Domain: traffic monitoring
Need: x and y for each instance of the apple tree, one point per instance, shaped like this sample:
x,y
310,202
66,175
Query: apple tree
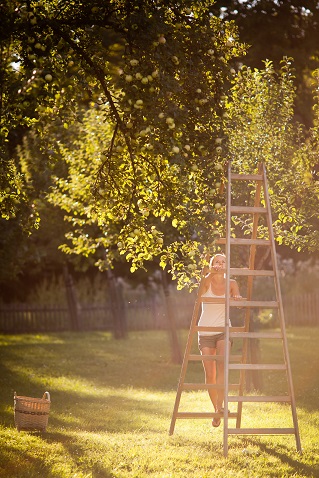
x,y
160,73
260,127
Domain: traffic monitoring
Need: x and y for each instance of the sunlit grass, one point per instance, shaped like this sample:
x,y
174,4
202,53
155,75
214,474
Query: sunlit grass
x,y
112,403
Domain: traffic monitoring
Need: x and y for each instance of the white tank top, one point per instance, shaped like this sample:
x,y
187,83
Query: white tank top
x,y
213,315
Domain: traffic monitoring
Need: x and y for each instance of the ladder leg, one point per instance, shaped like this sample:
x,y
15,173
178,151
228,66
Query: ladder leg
x,y
187,352
181,380
185,361
227,311
226,391
281,317
175,410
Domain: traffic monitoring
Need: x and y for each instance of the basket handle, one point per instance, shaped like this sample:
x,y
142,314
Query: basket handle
x,y
46,395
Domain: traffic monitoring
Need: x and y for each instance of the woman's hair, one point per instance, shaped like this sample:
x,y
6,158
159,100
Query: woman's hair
x,y
216,255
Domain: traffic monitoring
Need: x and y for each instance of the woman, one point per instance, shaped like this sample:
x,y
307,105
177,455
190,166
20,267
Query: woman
x,y
213,315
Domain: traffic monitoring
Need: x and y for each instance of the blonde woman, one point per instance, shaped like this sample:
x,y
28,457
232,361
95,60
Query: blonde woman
x,y
213,315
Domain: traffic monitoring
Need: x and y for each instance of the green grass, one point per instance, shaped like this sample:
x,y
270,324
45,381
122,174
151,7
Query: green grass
x,y
112,403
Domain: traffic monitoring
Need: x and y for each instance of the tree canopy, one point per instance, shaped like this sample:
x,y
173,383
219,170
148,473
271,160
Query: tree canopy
x,y
160,73
144,102
261,128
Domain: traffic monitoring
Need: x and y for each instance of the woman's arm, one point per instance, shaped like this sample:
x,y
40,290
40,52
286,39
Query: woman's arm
x,y
206,280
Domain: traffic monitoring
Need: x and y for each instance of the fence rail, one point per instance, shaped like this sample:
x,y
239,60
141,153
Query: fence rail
x,y
140,315
302,309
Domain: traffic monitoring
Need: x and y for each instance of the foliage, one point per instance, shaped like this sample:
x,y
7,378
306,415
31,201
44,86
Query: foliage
x,y
161,71
19,217
300,278
22,251
260,128
109,419
275,29
166,121
95,229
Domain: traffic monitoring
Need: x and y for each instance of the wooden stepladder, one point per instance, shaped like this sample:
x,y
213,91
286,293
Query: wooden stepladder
x,y
260,238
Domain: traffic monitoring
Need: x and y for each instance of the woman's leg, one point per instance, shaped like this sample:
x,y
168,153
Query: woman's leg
x,y
210,373
220,373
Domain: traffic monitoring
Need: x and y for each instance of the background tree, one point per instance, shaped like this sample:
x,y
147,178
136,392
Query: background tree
x,y
164,103
275,29
260,127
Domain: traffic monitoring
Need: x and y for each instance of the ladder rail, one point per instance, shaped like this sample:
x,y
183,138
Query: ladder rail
x,y
227,311
281,313
185,359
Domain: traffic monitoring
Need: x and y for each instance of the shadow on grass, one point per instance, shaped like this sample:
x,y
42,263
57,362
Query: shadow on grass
x,y
117,387
282,453
142,360
97,365
113,414
32,364
21,463
12,463
76,450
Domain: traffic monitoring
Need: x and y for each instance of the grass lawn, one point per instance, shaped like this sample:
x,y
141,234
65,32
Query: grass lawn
x,y
112,403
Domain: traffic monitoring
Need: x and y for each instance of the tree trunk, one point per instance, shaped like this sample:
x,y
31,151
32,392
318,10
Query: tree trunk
x,y
73,304
117,307
175,347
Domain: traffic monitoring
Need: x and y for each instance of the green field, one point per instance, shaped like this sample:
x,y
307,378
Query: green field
x,y
112,403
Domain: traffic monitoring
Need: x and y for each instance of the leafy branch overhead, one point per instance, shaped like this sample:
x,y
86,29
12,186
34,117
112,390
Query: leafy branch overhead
x,y
160,73
259,128
143,102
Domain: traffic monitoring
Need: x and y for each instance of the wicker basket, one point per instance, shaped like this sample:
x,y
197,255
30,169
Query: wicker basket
x,y
31,413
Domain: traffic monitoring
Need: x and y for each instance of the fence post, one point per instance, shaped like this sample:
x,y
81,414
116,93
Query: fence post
x,y
74,307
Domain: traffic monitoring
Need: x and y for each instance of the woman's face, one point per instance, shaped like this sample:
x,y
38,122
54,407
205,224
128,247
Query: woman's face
x,y
219,262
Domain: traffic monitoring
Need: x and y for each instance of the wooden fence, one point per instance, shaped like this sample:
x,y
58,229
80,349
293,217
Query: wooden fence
x,y
302,309
140,315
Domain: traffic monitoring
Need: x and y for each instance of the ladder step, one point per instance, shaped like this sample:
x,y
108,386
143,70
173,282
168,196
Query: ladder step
x,y
282,398
249,272
261,431
246,177
208,386
204,415
265,304
244,242
247,242
217,358
203,328
256,366
248,210
240,332
255,335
